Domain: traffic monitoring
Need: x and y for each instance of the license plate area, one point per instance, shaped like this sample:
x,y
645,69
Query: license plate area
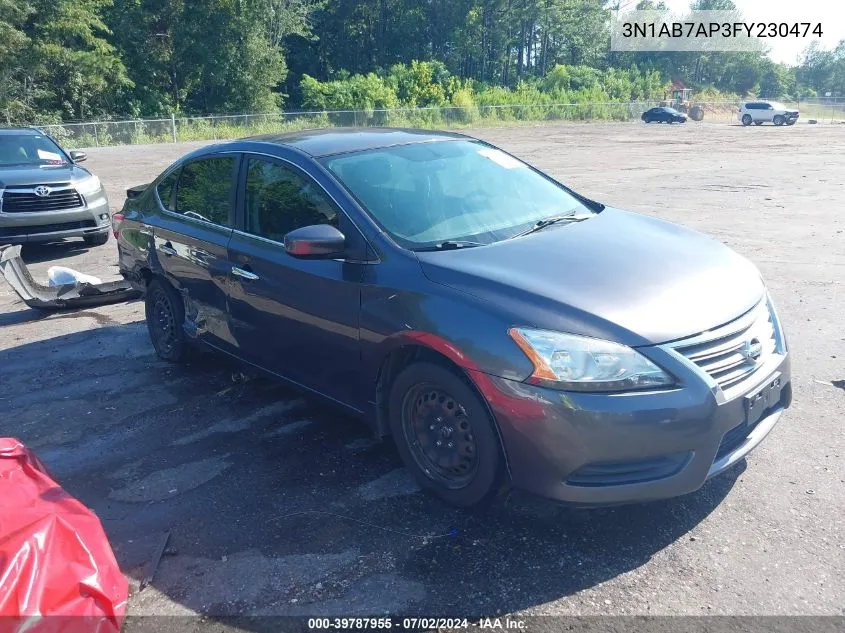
x,y
761,399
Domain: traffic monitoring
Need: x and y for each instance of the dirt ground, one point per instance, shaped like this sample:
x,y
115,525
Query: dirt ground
x,y
275,504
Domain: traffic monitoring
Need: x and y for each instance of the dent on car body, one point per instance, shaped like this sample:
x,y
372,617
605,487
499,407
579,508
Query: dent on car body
x,y
62,297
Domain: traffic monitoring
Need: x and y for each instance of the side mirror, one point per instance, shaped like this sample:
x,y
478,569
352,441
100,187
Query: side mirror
x,y
319,241
77,157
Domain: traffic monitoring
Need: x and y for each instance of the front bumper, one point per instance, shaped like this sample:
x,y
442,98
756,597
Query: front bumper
x,y
607,449
93,218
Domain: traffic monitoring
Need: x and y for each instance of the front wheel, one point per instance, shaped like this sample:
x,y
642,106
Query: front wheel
x,y
746,120
778,120
445,435
165,313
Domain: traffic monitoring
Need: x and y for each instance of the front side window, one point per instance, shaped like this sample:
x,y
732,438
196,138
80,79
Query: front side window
x,y
280,199
424,194
30,149
206,190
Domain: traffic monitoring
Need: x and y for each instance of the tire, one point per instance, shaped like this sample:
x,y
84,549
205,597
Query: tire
x,y
746,120
429,404
96,240
758,123
778,120
792,122
165,313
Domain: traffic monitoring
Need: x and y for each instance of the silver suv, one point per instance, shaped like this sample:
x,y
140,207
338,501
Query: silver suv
x,y
45,195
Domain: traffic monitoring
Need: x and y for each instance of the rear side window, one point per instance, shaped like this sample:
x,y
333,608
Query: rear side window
x,y
279,199
166,188
206,190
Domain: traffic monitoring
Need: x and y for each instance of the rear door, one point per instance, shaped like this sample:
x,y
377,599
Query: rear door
x,y
295,317
191,242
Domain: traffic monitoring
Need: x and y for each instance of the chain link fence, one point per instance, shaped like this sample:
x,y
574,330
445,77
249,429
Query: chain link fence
x,y
178,129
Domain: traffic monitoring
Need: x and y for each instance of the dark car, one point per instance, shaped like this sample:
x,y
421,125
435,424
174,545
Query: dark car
x,y
498,325
664,115
45,195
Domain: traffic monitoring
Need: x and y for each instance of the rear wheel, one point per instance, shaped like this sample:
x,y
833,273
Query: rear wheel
x,y
445,436
778,120
792,122
165,314
746,119
96,240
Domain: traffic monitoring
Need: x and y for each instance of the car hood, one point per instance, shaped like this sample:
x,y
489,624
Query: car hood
x,y
45,175
618,275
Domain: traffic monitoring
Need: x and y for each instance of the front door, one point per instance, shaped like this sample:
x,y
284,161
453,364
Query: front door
x,y
192,238
295,317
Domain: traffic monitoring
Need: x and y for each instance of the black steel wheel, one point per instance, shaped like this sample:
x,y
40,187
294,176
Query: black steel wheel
x,y
445,435
438,432
165,314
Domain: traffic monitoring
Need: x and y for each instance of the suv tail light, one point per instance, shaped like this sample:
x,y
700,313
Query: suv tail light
x,y
116,221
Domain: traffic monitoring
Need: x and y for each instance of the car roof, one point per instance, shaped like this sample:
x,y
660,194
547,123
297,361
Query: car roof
x,y
319,143
8,131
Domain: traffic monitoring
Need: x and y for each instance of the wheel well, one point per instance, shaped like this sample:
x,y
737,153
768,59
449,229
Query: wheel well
x,y
392,366
399,359
147,275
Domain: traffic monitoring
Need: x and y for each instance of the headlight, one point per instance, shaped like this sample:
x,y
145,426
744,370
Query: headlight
x,y
579,363
88,186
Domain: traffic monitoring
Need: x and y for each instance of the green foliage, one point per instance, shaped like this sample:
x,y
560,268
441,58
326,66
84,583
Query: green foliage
x,y
94,59
358,92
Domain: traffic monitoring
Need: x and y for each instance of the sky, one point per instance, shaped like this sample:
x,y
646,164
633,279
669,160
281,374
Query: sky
x,y
830,13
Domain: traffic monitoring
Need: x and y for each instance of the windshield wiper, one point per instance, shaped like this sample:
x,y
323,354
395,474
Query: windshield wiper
x,y
541,224
451,245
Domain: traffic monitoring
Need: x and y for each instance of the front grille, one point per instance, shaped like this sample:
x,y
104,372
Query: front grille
x,y
28,202
16,231
723,353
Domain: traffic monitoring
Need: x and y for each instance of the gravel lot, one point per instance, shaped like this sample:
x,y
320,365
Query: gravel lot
x,y
278,505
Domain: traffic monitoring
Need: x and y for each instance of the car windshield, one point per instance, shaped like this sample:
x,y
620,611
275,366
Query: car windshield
x,y
29,149
425,194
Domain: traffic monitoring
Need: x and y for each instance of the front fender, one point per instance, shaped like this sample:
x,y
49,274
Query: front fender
x,y
468,331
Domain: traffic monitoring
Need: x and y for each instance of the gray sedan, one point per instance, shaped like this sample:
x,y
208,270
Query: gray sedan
x,y
500,326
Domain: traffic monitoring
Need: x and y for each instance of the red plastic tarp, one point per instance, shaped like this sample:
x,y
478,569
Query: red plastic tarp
x,y
57,569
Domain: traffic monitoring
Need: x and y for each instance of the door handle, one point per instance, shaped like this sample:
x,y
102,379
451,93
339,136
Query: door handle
x,y
167,249
245,274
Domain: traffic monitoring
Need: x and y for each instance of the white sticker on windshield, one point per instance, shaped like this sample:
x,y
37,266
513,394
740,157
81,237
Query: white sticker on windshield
x,y
500,158
48,155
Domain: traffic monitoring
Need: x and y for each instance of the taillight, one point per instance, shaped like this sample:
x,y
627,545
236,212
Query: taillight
x,y
116,221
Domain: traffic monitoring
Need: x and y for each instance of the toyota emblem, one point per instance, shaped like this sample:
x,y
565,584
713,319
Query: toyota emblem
x,y
41,191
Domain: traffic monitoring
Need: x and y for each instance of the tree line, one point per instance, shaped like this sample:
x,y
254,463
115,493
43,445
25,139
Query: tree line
x,y
83,59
